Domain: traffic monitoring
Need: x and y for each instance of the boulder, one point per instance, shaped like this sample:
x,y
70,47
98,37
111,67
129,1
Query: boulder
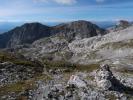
x,y
77,81
103,77
107,81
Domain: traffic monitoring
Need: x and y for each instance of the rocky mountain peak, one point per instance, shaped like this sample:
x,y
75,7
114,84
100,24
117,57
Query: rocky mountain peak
x,y
78,30
26,34
123,23
80,22
34,25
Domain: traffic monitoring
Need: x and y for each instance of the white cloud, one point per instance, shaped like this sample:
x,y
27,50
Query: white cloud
x,y
41,1
66,2
100,1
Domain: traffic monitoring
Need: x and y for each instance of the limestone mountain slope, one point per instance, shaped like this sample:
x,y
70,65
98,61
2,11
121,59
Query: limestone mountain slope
x,y
115,45
112,46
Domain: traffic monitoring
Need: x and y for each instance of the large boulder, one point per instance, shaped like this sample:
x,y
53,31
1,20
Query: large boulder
x,y
107,81
104,77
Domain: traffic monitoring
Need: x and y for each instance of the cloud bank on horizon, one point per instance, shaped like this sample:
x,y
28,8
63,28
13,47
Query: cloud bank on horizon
x,y
65,10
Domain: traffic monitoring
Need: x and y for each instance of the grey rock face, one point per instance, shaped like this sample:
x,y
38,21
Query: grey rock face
x,y
113,46
78,30
27,34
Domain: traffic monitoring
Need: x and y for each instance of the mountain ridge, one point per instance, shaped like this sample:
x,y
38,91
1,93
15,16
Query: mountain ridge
x,y
29,32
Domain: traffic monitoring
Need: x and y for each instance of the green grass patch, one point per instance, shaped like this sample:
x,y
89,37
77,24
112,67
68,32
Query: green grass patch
x,y
88,68
4,56
17,87
58,64
111,97
25,63
70,66
18,59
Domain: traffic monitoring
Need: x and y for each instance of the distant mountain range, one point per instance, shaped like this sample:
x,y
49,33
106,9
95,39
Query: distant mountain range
x,y
6,26
29,32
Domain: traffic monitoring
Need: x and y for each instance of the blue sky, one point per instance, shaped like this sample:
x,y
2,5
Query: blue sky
x,y
65,10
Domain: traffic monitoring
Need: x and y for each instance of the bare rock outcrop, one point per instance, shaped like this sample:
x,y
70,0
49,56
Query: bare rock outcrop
x,y
107,81
103,77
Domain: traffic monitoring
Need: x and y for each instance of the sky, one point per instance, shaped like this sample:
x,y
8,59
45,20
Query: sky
x,y
65,10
